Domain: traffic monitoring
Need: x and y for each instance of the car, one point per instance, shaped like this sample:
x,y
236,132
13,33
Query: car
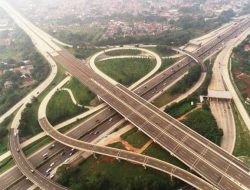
x,y
48,170
97,132
51,176
45,155
71,153
32,171
52,164
110,119
18,150
63,153
52,146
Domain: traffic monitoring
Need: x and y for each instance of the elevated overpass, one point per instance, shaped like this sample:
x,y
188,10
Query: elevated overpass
x,y
196,58
104,93
128,156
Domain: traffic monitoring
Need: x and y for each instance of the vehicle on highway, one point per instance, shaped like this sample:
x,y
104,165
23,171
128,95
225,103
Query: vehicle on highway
x,y
48,170
52,146
51,176
63,153
52,164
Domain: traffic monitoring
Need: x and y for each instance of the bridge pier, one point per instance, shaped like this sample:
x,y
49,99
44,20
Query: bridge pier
x,y
94,155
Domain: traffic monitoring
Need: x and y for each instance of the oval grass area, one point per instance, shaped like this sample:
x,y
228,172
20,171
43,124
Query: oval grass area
x,y
128,70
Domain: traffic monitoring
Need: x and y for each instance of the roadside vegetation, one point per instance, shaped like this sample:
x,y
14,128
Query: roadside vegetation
x,y
176,110
57,110
162,50
135,137
242,145
241,71
203,122
109,173
4,134
6,164
167,63
12,57
29,125
126,71
81,93
182,86
187,81
85,51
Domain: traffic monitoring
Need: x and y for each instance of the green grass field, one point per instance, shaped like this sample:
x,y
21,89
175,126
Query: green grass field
x,y
161,51
164,99
61,108
81,93
123,52
242,145
167,63
135,138
179,109
126,71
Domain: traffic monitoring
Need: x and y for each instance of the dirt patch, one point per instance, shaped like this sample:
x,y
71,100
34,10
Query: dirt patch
x,y
107,159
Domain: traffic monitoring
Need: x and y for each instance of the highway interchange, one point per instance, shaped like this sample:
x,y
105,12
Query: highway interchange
x,y
157,126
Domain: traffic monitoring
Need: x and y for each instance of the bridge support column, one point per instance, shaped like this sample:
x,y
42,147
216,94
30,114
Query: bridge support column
x,y
99,98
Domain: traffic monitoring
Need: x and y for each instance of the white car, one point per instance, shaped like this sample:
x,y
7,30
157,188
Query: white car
x,y
51,176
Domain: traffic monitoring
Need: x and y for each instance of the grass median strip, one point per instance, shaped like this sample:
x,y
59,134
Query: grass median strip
x,y
126,71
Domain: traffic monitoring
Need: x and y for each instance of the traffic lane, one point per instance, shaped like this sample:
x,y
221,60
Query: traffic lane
x,y
189,142
9,177
25,166
180,152
22,185
110,151
179,135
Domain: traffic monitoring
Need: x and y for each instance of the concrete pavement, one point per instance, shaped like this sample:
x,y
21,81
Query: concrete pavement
x,y
226,76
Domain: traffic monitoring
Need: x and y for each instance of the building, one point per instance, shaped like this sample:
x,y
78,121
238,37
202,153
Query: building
x,y
24,70
8,84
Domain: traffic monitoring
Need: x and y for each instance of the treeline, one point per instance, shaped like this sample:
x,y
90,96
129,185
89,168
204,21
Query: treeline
x,y
23,46
203,122
175,38
187,81
75,180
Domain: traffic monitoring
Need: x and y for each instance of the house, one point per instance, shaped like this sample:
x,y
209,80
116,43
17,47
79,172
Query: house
x,y
247,47
24,70
8,84
27,81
